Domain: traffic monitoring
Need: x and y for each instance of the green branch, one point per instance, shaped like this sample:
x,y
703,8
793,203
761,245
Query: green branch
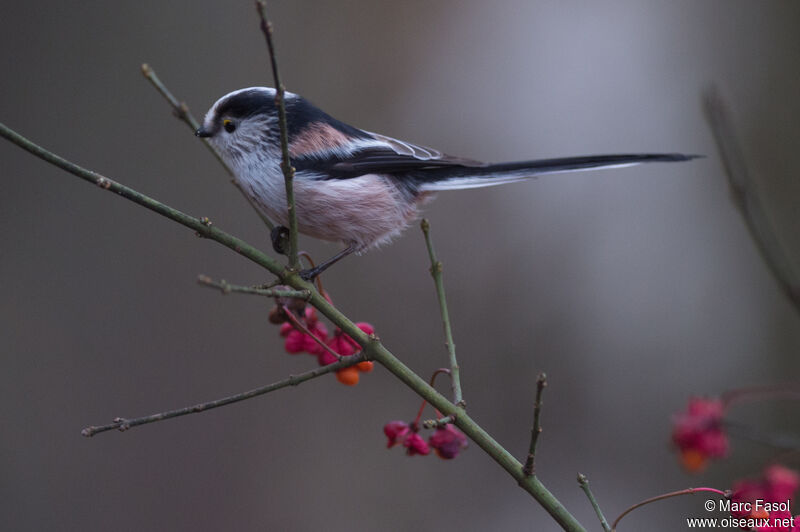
x,y
747,199
475,432
286,163
436,272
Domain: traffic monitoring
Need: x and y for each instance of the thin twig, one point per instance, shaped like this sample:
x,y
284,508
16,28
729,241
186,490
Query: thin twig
x,y
687,491
436,423
781,391
372,347
782,442
286,163
182,112
745,195
432,381
306,255
179,109
583,482
536,428
436,272
440,420
123,424
227,288
268,285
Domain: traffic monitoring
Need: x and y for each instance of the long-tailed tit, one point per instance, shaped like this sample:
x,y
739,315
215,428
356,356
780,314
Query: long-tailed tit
x,y
351,185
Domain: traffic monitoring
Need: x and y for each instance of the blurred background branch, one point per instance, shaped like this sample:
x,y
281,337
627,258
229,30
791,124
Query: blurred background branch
x,y
746,197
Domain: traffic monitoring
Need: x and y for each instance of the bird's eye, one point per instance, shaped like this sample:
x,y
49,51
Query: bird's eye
x,y
229,125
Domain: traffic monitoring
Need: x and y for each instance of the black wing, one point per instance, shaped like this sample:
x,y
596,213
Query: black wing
x,y
378,154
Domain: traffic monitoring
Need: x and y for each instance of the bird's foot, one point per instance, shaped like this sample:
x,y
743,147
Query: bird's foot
x,y
280,239
309,274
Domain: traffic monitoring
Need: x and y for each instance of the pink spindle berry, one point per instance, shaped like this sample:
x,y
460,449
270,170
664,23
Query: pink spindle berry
x,y
698,433
399,432
342,344
447,441
776,486
345,346
295,342
396,432
780,482
310,314
414,444
319,330
325,357
298,341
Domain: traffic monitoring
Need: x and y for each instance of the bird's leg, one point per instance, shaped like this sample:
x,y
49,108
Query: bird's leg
x,y
312,273
280,240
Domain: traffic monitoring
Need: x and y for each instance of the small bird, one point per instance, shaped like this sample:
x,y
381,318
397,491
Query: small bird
x,y
353,186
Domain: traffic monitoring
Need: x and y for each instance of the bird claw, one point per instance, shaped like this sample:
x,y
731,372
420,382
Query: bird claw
x,y
280,239
309,274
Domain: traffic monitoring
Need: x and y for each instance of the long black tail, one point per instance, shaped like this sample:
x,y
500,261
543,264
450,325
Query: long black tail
x,y
500,173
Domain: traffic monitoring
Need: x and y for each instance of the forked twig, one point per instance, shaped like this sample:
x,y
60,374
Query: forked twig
x,y
436,273
182,112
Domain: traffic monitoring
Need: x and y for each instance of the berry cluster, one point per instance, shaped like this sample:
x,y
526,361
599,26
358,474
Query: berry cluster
x,y
698,433
305,333
446,441
766,501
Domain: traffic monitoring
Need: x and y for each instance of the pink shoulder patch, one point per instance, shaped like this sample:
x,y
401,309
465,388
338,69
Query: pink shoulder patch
x,y
317,137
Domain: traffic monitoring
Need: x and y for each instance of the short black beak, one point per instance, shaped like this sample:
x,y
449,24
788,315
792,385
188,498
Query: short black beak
x,y
202,132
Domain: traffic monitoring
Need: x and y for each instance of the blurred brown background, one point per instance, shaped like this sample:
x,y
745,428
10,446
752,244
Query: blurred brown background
x,y
633,289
